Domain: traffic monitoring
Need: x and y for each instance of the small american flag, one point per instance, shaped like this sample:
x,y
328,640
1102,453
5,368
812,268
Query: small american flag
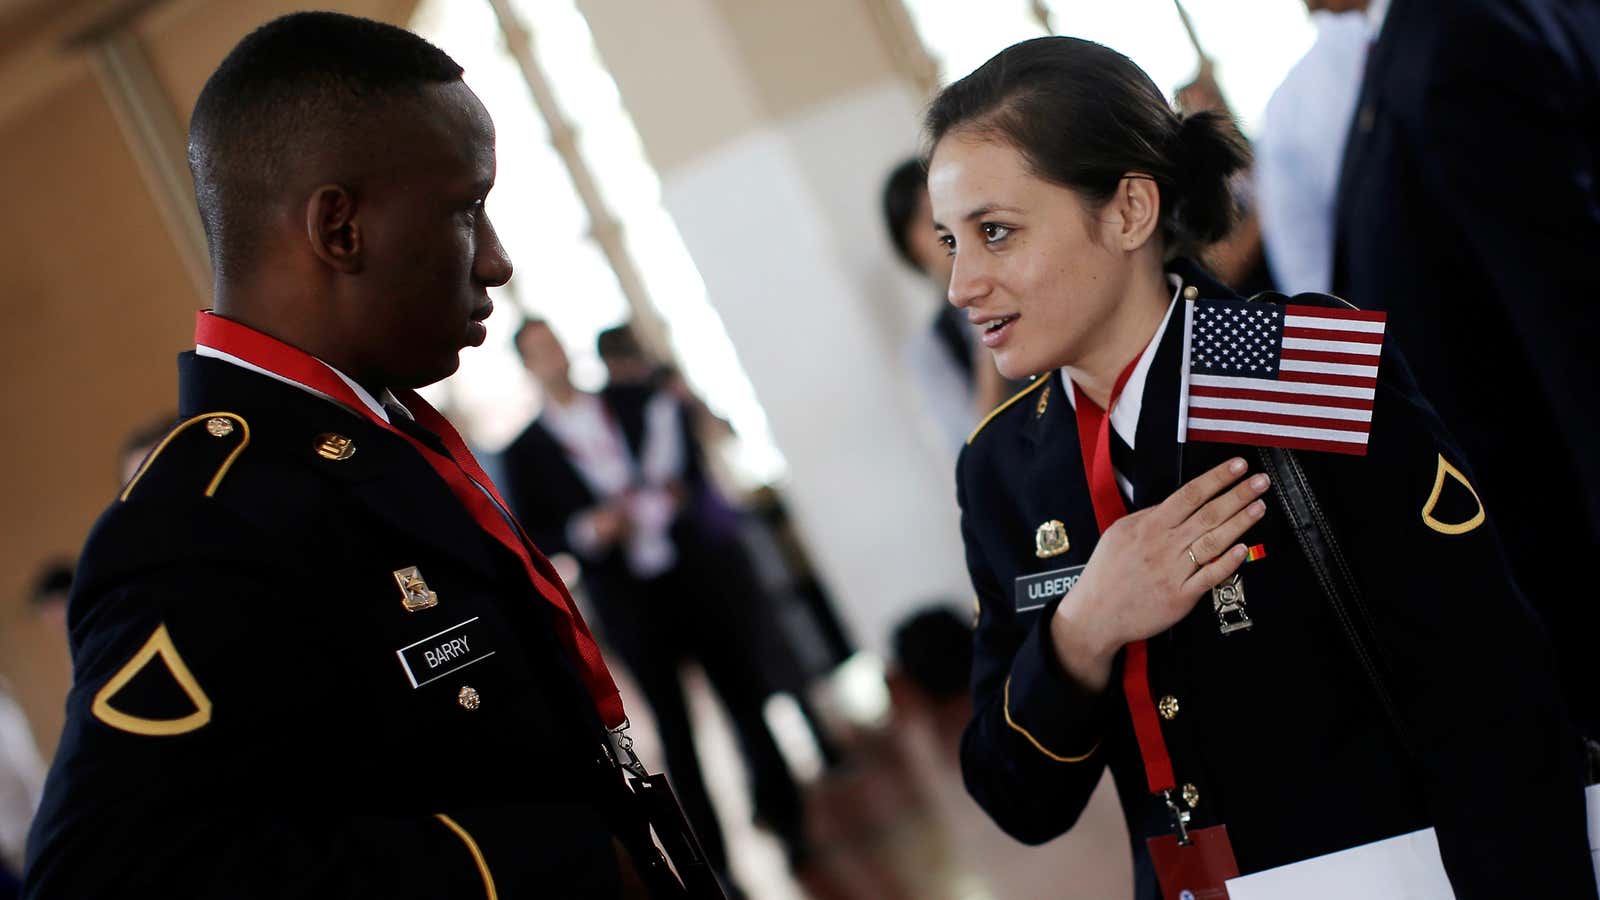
x,y
1280,376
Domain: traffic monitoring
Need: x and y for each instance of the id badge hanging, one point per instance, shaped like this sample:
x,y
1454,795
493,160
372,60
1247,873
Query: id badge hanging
x,y
1190,864
682,872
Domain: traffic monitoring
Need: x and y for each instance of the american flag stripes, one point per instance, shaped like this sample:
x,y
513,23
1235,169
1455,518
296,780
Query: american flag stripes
x,y
1267,375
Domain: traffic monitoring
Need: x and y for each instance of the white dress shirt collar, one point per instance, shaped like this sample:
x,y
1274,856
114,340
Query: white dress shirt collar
x,y
375,404
1125,413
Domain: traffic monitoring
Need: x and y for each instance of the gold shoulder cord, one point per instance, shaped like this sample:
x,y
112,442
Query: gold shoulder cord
x,y
477,855
1042,380
219,425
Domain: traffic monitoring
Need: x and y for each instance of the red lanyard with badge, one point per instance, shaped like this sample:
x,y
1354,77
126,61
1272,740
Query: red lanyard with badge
x,y
1190,864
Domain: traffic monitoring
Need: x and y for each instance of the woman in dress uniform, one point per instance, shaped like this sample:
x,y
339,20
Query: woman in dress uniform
x,y
1248,719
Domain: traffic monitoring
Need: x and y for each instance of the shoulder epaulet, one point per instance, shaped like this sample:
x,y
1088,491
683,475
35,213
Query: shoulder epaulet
x,y
206,448
1041,380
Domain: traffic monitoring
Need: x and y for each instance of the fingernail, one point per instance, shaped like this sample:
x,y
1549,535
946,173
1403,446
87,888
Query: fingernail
x,y
1257,509
1260,482
1236,466
1237,552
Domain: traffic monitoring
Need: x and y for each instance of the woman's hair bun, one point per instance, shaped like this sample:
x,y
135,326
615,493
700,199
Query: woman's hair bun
x,y
1207,151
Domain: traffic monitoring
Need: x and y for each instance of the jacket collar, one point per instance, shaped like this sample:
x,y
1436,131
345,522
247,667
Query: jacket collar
x,y
1157,455
384,473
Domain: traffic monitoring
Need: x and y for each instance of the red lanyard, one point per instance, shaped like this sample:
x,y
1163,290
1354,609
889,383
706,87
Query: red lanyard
x,y
1094,430
459,470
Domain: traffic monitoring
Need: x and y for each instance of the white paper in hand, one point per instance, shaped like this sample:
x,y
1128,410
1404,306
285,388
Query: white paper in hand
x,y
1407,867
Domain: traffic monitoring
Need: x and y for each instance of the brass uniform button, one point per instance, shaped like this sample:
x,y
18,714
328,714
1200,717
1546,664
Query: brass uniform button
x,y
469,699
335,446
1191,293
1191,796
217,426
1168,707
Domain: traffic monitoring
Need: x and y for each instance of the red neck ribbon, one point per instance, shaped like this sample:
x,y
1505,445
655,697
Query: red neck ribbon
x,y
1094,440
466,479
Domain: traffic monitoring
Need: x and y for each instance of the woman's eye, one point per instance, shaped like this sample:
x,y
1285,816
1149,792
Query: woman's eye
x,y
994,234
949,243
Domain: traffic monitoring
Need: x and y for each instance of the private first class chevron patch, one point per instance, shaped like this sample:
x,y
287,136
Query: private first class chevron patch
x,y
155,689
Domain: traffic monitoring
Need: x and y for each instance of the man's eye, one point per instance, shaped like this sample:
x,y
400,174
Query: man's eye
x,y
993,233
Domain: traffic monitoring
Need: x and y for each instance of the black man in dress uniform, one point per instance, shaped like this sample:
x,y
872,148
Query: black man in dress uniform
x,y
313,655
1275,731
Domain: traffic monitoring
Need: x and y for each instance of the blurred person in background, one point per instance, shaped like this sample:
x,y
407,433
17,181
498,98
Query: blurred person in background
x,y
1301,145
21,769
1237,258
617,479
138,444
1069,192
957,383
1469,208
51,587
629,364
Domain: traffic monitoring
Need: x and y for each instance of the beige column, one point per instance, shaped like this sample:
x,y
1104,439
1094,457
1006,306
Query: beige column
x,y
772,125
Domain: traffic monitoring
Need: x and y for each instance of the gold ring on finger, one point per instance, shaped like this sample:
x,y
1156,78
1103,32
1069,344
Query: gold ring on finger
x,y
1197,566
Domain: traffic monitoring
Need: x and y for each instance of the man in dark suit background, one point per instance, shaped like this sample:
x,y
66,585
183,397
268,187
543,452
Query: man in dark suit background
x,y
1469,209
617,479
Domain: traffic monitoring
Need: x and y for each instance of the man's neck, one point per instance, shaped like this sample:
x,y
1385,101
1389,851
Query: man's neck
x,y
560,392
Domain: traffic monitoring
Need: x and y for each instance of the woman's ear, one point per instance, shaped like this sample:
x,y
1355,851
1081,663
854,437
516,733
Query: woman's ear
x,y
1136,210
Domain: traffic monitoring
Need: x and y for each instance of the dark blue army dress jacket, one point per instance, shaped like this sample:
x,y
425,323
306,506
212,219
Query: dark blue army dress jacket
x,y
1276,731
301,669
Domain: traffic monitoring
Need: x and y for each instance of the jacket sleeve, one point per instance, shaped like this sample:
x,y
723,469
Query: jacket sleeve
x,y
186,770
1030,755
1511,160
533,497
1470,668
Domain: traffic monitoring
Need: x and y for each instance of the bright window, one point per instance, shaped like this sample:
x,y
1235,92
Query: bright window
x,y
562,274
1252,42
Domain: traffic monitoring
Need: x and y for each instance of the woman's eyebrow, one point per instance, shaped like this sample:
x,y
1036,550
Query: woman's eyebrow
x,y
980,212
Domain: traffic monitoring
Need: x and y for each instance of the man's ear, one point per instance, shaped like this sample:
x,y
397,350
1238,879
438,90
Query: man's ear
x,y
333,228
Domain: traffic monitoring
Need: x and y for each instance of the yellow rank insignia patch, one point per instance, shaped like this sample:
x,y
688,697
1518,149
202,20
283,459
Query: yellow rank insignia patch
x,y
159,645
1051,540
1457,507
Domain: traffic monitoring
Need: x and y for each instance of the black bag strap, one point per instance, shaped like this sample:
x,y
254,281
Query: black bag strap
x,y
1333,574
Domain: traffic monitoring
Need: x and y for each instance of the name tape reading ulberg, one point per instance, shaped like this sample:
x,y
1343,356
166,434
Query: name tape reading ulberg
x,y
1036,591
450,650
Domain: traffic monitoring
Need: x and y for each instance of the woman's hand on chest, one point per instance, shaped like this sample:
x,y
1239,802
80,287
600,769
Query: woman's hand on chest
x,y
1151,566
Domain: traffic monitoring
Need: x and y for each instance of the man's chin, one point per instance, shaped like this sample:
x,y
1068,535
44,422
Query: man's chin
x,y
422,378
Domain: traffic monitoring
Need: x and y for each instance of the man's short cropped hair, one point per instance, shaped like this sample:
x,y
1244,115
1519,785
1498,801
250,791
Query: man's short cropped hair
x,y
307,82
618,341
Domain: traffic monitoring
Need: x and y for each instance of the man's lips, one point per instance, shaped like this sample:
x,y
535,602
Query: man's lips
x,y
477,332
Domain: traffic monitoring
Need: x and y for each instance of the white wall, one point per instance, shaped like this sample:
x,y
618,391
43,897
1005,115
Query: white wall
x,y
777,199
800,292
